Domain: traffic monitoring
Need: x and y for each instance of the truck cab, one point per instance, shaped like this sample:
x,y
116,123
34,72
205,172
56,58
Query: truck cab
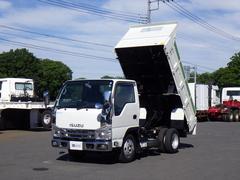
x,y
19,107
229,109
16,89
99,110
152,108
230,93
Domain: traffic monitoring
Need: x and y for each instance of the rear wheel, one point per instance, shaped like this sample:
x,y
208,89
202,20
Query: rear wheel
x,y
161,138
236,115
231,116
225,117
172,141
128,150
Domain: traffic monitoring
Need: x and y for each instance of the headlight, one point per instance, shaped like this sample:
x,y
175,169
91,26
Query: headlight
x,y
104,133
55,131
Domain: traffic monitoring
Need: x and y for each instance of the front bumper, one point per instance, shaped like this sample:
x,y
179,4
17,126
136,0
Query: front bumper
x,y
86,145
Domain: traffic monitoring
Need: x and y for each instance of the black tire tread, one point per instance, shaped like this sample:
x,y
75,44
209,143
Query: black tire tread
x,y
160,137
168,141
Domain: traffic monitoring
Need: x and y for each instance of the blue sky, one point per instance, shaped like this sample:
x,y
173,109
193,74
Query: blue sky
x,y
196,44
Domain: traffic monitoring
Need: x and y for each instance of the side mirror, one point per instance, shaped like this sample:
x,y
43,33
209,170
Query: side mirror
x,y
106,106
46,98
105,114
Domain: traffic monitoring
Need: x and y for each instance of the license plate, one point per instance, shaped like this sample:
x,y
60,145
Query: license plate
x,y
76,145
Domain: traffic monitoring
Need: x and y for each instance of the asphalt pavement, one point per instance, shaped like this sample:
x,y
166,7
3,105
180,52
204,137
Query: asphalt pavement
x,y
214,154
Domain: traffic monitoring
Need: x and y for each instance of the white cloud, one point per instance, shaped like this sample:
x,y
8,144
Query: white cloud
x,y
199,45
73,25
232,5
196,44
133,6
5,5
39,17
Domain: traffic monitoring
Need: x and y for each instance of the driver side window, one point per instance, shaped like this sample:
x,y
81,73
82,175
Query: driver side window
x,y
124,94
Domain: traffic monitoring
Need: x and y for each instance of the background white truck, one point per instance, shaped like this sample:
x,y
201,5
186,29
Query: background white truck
x,y
204,96
19,108
150,111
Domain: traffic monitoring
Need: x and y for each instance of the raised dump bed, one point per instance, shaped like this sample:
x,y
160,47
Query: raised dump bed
x,y
149,55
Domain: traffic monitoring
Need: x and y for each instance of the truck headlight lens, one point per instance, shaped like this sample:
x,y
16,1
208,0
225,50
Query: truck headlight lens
x,y
104,133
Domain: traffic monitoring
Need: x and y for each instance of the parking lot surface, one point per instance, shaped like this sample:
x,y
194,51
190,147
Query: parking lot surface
x,y
214,153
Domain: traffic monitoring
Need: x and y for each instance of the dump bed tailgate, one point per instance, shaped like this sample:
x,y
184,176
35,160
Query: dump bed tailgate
x,y
148,54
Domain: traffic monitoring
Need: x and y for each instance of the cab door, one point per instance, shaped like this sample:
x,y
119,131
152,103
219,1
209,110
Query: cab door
x,y
125,110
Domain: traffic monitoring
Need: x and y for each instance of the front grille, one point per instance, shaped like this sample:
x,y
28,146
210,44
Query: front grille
x,y
78,134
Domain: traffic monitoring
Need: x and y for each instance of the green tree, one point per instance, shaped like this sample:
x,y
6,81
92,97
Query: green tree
x,y
230,75
235,61
205,78
18,63
52,75
224,77
47,74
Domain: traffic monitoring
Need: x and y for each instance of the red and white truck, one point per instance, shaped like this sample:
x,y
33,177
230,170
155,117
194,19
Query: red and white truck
x,y
229,108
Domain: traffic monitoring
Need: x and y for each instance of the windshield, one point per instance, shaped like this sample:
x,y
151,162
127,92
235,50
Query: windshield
x,y
84,94
233,93
23,86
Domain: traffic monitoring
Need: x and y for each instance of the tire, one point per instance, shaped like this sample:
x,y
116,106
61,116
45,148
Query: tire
x,y
225,117
236,115
231,116
161,138
172,141
2,123
128,149
46,119
74,154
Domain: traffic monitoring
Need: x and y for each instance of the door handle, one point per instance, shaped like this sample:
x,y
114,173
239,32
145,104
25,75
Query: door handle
x,y
134,116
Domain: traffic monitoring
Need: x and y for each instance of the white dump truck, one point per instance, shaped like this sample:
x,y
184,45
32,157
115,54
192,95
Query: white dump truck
x,y
151,110
19,108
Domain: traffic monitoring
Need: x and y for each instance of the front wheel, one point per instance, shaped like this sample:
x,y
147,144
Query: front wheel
x,y
128,149
2,123
47,119
172,141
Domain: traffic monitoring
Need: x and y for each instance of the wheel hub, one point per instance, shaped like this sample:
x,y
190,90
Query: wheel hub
x,y
128,148
47,119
